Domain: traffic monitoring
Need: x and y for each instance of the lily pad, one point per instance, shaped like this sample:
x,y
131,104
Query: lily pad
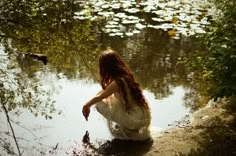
x,y
116,6
140,26
105,6
120,15
129,21
172,32
129,33
132,10
158,19
136,31
106,14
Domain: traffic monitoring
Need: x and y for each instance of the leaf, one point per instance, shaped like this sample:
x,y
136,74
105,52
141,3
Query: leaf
x,y
172,32
174,20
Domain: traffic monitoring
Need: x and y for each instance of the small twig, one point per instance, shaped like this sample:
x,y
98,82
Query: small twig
x,y
37,142
25,129
7,148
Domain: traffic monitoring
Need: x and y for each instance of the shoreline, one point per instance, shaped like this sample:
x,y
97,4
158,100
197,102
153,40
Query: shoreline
x,y
211,131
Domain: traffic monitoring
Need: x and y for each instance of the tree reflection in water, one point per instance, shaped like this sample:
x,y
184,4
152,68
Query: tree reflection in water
x,y
31,27
156,61
48,27
73,45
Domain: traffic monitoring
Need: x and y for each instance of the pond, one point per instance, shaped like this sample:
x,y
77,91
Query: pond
x,y
44,99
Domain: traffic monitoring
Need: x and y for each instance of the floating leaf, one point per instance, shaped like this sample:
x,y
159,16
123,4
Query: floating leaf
x,y
172,32
158,19
129,34
110,26
129,21
105,6
136,31
174,20
120,15
116,6
132,10
139,26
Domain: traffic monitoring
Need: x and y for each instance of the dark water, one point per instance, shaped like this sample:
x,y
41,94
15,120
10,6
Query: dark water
x,y
44,102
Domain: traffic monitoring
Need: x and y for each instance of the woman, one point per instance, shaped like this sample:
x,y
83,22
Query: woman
x,y
121,100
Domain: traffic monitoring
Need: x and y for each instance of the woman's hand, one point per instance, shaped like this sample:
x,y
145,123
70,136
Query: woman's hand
x,y
111,88
86,111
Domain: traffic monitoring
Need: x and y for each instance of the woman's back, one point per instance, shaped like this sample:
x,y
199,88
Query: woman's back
x,y
129,124
121,100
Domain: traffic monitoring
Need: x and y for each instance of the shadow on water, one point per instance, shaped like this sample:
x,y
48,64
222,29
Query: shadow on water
x,y
124,147
114,147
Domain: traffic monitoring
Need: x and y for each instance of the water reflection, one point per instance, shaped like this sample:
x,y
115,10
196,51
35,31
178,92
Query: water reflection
x,y
18,91
67,129
157,54
17,94
78,43
49,28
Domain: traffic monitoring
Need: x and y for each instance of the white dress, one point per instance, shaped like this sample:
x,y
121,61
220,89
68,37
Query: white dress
x,y
131,125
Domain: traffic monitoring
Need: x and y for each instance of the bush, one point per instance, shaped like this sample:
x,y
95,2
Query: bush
x,y
217,63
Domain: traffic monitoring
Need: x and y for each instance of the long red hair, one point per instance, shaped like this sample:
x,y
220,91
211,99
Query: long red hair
x,y
112,67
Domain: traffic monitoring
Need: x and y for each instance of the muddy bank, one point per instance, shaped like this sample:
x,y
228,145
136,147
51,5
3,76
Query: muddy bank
x,y
210,131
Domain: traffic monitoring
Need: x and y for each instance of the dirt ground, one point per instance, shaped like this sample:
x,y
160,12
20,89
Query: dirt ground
x,y
210,131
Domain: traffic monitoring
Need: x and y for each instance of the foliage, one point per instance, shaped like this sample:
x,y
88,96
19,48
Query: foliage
x,y
38,26
217,61
17,91
27,26
49,27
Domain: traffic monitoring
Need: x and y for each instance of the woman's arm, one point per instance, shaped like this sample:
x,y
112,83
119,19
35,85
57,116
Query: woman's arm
x,y
111,88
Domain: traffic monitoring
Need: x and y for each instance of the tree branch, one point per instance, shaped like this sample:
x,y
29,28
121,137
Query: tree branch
x,y
12,130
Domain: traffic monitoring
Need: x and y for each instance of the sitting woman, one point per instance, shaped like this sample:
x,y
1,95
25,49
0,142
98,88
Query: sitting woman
x,y
121,100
